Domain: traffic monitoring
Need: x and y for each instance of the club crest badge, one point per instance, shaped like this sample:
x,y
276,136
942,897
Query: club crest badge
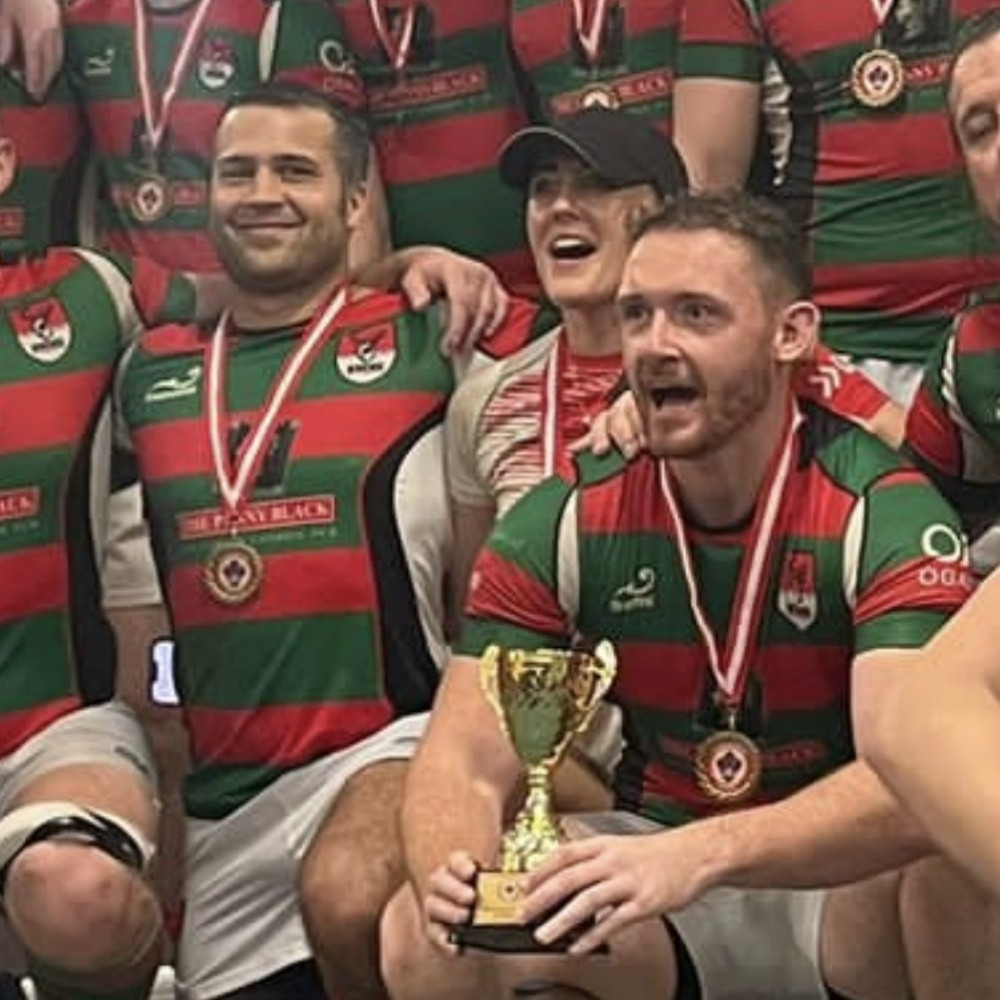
x,y
43,330
216,63
797,599
365,356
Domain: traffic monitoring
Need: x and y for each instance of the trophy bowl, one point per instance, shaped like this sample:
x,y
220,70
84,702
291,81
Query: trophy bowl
x,y
543,698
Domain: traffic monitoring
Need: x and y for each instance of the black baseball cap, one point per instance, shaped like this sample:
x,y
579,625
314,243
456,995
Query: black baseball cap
x,y
621,148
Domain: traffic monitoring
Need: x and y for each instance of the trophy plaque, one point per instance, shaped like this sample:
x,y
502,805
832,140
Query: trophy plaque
x,y
543,697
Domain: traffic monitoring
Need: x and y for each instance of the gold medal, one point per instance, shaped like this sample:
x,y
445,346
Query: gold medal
x,y
877,78
150,199
727,767
233,573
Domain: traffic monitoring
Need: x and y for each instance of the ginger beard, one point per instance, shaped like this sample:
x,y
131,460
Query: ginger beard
x,y
696,343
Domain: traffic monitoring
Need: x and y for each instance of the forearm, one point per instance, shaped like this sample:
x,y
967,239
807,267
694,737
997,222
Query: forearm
x,y
387,270
135,631
447,809
841,829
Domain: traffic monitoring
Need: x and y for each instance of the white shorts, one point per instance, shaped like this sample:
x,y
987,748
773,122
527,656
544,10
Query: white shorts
x,y
241,919
745,944
106,735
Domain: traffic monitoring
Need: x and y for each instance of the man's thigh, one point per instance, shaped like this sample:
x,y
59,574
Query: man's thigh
x,y
742,944
242,920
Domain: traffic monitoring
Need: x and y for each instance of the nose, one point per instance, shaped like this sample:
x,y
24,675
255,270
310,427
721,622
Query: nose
x,y
561,200
661,334
266,186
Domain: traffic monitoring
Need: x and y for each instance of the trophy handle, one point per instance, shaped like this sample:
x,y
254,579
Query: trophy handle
x,y
489,678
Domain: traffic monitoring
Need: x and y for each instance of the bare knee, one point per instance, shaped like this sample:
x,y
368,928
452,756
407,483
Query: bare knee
x,y
76,907
412,968
343,887
861,941
952,933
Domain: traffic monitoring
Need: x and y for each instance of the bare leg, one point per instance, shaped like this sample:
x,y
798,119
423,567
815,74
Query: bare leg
x,y
861,940
641,963
86,920
350,872
952,934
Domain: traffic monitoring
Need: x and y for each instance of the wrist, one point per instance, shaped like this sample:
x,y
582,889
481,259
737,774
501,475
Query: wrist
x,y
718,856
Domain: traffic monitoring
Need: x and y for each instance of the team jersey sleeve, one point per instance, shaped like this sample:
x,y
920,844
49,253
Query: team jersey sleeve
x,y
906,563
525,322
146,294
953,426
466,484
128,573
514,595
835,383
721,39
305,43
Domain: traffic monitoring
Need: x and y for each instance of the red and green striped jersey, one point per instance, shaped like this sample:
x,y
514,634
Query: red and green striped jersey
x,y
896,243
633,67
63,319
953,426
439,123
349,515
49,142
867,556
242,44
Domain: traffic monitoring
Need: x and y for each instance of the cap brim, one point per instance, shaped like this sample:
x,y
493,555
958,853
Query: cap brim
x,y
521,153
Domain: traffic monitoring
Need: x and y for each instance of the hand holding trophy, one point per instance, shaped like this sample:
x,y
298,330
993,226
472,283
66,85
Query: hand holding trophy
x,y
544,698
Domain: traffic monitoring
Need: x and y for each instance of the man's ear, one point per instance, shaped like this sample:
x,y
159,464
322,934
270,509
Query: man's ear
x,y
8,164
356,208
797,333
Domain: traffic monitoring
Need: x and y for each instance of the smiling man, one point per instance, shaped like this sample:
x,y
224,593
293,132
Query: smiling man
x,y
793,558
295,491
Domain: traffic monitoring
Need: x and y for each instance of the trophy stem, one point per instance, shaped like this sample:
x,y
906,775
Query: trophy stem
x,y
536,831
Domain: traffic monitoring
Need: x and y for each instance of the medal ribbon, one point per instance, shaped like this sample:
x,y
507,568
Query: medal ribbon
x,y
550,405
881,9
396,48
744,625
590,36
156,120
234,482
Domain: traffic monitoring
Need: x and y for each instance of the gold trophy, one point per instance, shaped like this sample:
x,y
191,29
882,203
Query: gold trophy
x,y
544,697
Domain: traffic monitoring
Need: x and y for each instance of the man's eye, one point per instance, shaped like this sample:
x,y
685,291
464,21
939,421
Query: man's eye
x,y
233,173
634,312
695,313
977,128
296,171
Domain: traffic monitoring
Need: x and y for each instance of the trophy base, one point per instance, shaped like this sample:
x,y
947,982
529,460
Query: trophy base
x,y
495,926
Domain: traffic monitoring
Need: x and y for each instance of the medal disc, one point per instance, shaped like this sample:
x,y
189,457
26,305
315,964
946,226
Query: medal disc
x,y
727,766
877,78
233,573
150,199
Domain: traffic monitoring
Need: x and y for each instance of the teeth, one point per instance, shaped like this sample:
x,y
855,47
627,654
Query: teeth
x,y
568,243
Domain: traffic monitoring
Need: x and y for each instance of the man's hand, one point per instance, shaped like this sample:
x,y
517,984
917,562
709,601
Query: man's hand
x,y
449,900
477,302
619,425
616,881
31,35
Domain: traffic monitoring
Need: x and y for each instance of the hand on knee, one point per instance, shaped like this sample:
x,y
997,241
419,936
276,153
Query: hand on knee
x,y
75,907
